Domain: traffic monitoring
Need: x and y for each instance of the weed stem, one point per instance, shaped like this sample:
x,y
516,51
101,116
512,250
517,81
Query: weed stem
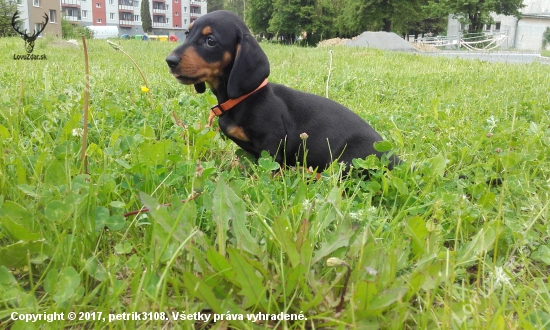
x,y
343,293
83,157
119,48
329,70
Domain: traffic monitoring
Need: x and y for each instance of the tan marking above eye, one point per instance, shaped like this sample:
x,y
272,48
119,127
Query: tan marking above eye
x,y
237,132
206,31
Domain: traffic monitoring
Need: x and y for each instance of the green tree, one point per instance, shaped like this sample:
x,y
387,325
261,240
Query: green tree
x,y
546,38
311,19
236,6
432,24
146,22
213,5
285,21
6,13
317,20
258,13
357,16
427,21
476,13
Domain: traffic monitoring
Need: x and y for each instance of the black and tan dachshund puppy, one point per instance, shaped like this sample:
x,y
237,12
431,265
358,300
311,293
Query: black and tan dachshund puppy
x,y
220,51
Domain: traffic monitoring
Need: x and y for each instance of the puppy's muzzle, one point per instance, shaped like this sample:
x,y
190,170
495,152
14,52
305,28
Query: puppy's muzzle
x,y
173,61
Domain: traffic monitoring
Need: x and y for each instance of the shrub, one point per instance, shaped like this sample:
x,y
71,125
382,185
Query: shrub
x,y
71,31
546,38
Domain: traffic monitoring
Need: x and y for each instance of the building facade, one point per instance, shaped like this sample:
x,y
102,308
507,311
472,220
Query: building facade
x,y
169,17
31,15
523,34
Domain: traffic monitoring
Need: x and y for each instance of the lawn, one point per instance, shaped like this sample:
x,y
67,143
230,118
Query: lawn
x,y
455,238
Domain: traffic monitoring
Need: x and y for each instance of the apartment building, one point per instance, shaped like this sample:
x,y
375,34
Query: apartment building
x,y
169,17
31,15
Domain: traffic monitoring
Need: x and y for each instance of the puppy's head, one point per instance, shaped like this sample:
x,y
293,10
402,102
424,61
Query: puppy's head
x,y
221,52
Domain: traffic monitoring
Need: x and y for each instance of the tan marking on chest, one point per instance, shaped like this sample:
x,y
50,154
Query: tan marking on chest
x,y
237,132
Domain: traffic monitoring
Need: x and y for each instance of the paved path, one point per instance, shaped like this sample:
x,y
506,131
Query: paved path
x,y
507,57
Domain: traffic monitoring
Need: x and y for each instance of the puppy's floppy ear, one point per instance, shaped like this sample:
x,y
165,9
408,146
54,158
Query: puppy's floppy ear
x,y
200,87
250,67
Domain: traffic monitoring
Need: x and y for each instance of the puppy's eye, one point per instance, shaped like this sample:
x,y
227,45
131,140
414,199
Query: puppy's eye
x,y
210,41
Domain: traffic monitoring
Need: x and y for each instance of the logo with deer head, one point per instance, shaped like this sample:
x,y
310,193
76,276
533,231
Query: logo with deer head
x,y
29,39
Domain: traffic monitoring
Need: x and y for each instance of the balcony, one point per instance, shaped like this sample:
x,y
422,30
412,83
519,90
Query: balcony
x,y
159,11
195,11
125,23
160,24
70,3
124,8
72,19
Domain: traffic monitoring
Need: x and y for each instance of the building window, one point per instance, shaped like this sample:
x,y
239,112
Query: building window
x,y
36,3
136,3
52,16
98,20
98,5
111,2
111,15
488,27
177,14
184,9
136,18
497,26
177,25
84,14
175,1
38,26
185,21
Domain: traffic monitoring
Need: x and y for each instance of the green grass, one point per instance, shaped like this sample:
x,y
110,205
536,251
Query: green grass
x,y
427,249
545,53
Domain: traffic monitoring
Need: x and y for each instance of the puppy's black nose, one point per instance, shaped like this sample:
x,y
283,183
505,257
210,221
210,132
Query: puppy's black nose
x,y
172,61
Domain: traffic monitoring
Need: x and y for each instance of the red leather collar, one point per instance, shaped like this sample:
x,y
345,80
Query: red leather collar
x,y
219,109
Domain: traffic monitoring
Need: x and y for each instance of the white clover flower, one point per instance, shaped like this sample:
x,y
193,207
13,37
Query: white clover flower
x,y
356,215
500,277
372,211
77,132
